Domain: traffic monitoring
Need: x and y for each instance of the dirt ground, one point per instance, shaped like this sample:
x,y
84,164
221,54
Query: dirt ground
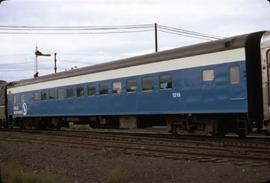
x,y
94,166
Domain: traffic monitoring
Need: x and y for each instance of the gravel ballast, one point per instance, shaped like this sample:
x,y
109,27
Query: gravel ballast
x,y
88,165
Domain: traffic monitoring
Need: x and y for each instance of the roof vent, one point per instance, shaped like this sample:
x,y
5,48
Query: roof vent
x,y
227,44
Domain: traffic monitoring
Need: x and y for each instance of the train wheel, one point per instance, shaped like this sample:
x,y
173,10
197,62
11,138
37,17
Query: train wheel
x,y
56,124
22,127
173,130
221,132
241,133
41,125
6,124
58,127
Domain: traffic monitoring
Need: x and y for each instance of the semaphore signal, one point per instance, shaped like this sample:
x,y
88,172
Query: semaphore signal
x,y
39,53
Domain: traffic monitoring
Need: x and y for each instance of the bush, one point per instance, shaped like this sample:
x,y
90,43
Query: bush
x,y
116,175
11,174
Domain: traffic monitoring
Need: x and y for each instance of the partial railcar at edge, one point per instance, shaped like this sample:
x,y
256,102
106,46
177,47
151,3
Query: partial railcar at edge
x,y
207,89
3,103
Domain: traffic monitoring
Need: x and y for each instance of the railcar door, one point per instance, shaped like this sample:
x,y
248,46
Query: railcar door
x,y
266,88
265,70
236,85
268,77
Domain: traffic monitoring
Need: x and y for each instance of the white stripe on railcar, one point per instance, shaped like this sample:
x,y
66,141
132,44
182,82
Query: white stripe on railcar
x,y
162,66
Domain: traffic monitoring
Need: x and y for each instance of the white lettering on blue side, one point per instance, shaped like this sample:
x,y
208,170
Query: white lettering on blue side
x,y
176,95
18,112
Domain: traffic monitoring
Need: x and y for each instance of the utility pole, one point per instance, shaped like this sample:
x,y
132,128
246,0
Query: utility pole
x,y
55,68
156,38
36,66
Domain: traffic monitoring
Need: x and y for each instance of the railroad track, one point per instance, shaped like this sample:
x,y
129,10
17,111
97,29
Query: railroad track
x,y
251,152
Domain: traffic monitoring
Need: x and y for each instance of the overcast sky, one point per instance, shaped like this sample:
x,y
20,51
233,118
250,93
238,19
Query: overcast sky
x,y
222,18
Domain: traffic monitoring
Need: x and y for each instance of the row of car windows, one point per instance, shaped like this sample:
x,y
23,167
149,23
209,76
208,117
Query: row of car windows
x,y
234,75
165,82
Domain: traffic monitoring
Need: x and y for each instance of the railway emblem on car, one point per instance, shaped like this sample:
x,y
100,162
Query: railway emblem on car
x,y
24,109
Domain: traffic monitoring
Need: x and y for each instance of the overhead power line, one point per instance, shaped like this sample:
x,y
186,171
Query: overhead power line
x,y
187,32
23,70
185,35
77,27
80,30
88,30
15,55
76,33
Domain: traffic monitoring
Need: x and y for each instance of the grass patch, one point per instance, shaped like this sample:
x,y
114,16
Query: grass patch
x,y
12,174
117,175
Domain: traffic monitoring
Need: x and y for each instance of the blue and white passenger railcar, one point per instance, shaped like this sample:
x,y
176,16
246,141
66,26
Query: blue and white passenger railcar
x,y
209,88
